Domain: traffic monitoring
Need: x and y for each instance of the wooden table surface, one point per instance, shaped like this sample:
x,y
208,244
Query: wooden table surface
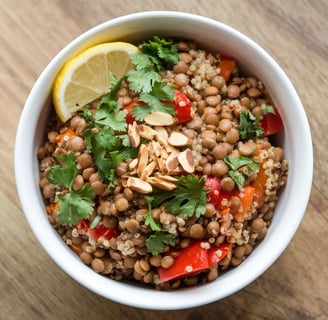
x,y
294,32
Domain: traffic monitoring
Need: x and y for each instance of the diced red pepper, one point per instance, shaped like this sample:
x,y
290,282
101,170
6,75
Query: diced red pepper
x,y
182,106
216,194
226,65
83,225
272,123
101,231
217,253
193,259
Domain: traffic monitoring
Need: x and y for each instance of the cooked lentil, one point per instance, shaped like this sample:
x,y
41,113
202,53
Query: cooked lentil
x,y
210,136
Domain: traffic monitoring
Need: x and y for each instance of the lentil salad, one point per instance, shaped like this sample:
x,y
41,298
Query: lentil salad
x,y
186,170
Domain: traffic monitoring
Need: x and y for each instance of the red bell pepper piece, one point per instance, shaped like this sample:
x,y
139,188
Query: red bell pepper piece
x,y
193,259
226,65
272,123
101,231
216,194
83,225
217,253
182,106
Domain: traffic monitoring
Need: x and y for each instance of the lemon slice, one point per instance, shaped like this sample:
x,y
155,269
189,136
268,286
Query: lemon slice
x,y
86,77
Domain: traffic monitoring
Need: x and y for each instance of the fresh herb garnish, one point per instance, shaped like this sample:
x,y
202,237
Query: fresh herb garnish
x,y
63,174
142,80
149,221
146,81
108,114
160,91
187,199
95,222
239,176
161,52
156,242
108,151
266,109
249,126
74,204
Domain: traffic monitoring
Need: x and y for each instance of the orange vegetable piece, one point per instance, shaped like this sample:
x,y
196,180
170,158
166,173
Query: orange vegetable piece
x,y
259,185
246,198
68,133
50,208
226,65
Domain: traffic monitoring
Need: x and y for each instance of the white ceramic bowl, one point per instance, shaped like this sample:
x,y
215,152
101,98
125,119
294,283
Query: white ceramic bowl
x,y
296,141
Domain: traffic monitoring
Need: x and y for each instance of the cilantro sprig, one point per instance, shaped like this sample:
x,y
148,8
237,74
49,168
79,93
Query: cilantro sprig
x,y
160,52
109,150
239,176
187,199
73,204
155,243
146,80
249,126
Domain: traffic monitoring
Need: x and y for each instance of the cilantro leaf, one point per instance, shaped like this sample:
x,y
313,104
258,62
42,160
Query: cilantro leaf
x,y
116,85
250,166
238,177
162,51
266,109
75,205
149,221
249,126
114,119
108,151
142,80
236,163
63,175
163,90
140,60
187,199
139,112
156,242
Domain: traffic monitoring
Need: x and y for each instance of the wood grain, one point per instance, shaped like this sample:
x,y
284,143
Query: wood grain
x,y
293,32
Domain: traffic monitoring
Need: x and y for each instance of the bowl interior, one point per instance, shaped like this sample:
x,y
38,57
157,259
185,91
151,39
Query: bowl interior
x,y
296,142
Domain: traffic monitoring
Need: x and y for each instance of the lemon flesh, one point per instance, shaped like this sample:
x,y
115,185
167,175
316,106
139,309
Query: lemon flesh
x,y
87,76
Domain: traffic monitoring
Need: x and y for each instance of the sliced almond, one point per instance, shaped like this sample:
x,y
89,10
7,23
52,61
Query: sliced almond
x,y
149,169
133,135
142,159
186,159
133,164
146,132
161,165
139,185
162,135
167,178
178,139
157,149
159,118
162,184
172,161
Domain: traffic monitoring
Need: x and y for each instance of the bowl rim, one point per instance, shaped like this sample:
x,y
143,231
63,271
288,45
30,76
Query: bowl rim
x,y
182,298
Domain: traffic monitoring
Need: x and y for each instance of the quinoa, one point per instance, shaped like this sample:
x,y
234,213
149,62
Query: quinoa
x,y
211,135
